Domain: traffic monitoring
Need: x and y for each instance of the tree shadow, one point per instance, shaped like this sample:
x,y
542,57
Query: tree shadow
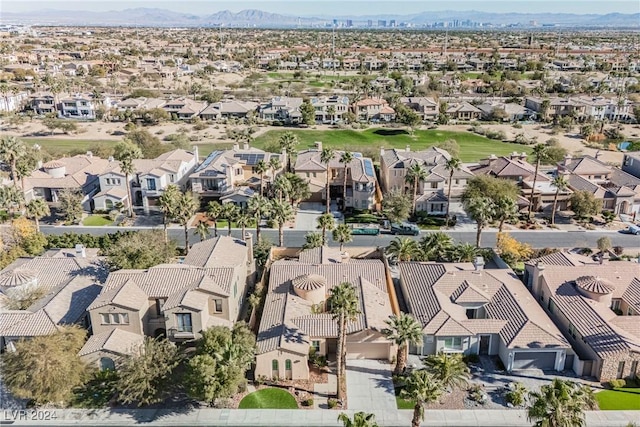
x,y
390,132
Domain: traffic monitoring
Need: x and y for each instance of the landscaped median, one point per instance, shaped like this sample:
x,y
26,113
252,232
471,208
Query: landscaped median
x,y
269,398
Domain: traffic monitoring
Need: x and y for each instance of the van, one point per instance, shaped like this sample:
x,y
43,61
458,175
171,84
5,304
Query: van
x,y
405,229
633,229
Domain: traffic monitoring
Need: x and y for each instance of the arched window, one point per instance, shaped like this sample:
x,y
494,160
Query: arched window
x,y
274,365
287,364
108,203
107,363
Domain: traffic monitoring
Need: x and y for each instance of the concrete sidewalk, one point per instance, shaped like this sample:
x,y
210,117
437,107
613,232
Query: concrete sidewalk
x,y
286,417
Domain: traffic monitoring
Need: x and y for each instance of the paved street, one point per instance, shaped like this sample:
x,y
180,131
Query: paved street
x,y
295,238
369,386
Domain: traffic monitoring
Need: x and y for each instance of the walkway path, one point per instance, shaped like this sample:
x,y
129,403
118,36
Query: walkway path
x,y
322,391
369,386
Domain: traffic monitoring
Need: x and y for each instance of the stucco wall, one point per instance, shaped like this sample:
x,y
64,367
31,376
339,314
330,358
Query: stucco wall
x,y
135,320
299,365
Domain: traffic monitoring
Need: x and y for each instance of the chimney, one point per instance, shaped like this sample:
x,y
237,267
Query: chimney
x,y
111,159
408,149
245,146
248,239
236,147
196,154
81,251
604,257
478,263
381,151
535,281
567,160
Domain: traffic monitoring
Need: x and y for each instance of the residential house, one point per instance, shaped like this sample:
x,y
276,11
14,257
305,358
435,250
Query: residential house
x,y
361,178
151,178
281,108
557,107
78,107
44,103
78,173
463,111
618,192
329,109
508,111
296,320
69,281
184,108
228,109
432,192
631,163
427,108
177,301
13,101
597,306
141,103
373,109
601,108
222,172
468,310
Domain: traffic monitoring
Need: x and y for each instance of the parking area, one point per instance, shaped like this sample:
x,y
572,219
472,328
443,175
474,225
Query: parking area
x,y
369,386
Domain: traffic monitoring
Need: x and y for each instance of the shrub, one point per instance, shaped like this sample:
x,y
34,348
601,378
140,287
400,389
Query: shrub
x,y
516,395
471,358
332,403
617,383
618,250
307,402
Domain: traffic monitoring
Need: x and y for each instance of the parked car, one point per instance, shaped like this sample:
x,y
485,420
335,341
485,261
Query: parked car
x,y
633,229
405,229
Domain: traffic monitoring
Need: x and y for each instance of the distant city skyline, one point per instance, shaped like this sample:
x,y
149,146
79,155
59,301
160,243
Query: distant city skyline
x,y
334,8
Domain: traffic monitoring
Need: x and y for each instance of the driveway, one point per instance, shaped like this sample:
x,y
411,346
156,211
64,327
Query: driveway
x,y
307,215
369,386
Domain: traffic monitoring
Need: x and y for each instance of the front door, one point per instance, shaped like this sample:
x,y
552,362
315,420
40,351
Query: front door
x,y
485,340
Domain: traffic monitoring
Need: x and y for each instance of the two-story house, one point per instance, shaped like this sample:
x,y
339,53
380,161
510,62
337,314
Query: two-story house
x,y
597,307
361,178
329,109
432,191
148,182
78,107
177,301
373,109
44,103
426,107
281,108
224,172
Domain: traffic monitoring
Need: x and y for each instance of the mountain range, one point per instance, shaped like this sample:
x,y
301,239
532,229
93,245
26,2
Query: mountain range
x,y
154,17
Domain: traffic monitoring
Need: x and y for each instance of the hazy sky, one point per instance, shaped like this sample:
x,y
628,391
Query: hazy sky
x,y
332,7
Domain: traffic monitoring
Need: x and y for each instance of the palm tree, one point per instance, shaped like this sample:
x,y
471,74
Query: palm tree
x,y
299,189
214,212
561,184
415,174
36,209
360,419
261,169
434,246
421,387
345,158
342,234
167,201
186,207
403,249
403,330
12,149
539,153
505,209
312,240
281,213
10,198
126,152
258,208
343,305
326,222
288,142
229,212
274,164
202,230
449,369
560,404
282,187
242,220
464,252
325,157
452,165
481,209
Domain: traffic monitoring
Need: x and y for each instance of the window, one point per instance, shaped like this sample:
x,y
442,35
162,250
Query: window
x,y
630,311
434,185
620,373
151,184
316,345
541,298
471,313
159,304
634,370
107,363
172,177
218,305
287,364
454,343
551,306
114,318
615,305
184,322
274,365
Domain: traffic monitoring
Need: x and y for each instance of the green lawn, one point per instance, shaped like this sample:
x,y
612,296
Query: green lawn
x,y
404,404
619,399
97,220
472,147
63,146
269,398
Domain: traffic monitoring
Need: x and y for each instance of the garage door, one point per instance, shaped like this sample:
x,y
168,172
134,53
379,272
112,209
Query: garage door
x,y
534,360
367,351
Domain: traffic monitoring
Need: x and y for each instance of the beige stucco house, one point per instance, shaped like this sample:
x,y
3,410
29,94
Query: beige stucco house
x,y
361,178
597,307
173,300
466,309
295,319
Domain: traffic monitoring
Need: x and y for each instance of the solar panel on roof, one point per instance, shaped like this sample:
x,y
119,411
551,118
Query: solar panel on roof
x,y
357,155
210,158
368,167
